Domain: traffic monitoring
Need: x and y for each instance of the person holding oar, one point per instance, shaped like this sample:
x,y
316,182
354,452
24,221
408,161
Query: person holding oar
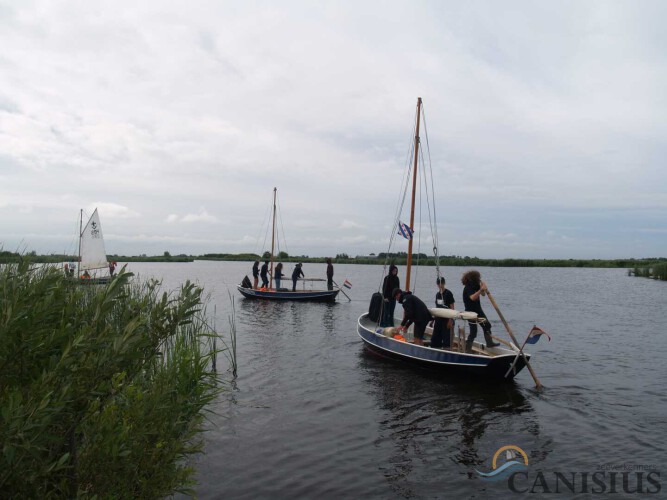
x,y
473,289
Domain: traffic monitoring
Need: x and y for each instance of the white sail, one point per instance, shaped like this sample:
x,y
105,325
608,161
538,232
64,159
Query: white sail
x,y
93,253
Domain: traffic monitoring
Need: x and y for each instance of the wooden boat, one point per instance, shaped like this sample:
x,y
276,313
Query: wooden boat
x,y
485,362
283,294
93,268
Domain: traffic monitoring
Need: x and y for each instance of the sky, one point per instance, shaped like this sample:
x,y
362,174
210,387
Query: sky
x,y
546,125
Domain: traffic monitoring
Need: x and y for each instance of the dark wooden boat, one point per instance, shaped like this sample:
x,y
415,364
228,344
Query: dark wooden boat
x,y
484,362
489,363
299,295
282,294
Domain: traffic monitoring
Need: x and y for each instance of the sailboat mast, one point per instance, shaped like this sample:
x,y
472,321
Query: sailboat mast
x,y
414,192
78,264
273,237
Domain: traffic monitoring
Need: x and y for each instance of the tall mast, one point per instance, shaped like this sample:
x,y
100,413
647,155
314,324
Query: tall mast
x,y
273,237
78,264
414,191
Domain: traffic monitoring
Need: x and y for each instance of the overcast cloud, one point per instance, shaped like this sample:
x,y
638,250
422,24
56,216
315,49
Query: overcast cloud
x,y
546,123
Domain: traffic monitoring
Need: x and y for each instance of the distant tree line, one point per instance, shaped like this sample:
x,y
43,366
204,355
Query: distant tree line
x,y
639,267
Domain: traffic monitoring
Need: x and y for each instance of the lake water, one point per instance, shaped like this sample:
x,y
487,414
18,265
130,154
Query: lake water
x,y
313,415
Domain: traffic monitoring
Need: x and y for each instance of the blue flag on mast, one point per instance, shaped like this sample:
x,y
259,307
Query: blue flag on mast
x,y
405,231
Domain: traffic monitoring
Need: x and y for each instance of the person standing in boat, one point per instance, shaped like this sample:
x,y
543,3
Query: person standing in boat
x,y
298,272
391,282
264,274
329,274
278,274
442,327
473,289
415,311
112,268
255,274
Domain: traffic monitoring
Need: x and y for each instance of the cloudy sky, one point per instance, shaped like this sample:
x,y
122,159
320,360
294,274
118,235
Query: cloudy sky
x,y
546,124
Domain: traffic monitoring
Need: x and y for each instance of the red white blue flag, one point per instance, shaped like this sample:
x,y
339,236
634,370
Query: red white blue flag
x,y
347,284
404,230
535,335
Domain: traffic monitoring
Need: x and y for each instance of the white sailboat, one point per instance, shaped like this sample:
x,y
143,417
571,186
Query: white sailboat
x,y
93,264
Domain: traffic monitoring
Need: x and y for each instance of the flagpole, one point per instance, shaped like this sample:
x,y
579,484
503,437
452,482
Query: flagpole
x,y
339,287
524,345
538,384
520,353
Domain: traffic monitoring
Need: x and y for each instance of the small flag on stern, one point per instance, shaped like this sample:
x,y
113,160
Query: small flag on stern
x,y
404,230
347,284
535,335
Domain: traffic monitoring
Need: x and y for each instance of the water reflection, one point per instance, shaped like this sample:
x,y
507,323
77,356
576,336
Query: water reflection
x,y
434,424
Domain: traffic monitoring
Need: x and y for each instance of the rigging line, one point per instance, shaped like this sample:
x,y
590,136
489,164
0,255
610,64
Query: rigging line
x,y
430,203
405,183
266,232
259,233
434,228
419,237
280,218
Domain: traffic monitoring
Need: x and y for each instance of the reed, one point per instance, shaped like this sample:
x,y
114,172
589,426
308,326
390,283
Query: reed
x,y
103,390
657,271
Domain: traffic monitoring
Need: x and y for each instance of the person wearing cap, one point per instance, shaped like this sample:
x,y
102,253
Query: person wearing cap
x,y
442,327
296,274
414,311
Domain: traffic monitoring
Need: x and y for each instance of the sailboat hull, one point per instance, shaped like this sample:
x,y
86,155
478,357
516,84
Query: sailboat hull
x,y
486,367
303,296
94,281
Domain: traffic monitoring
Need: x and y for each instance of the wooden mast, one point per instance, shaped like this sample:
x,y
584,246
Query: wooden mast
x,y
78,264
414,191
273,239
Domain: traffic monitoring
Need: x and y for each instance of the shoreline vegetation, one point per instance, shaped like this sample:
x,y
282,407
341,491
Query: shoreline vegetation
x,y
104,390
653,267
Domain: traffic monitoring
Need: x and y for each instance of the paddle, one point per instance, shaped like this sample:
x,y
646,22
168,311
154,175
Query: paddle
x,y
538,384
348,298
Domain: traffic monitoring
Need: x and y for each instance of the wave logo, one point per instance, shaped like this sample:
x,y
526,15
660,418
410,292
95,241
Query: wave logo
x,y
510,454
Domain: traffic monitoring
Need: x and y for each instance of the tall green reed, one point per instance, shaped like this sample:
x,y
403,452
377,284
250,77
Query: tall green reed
x,y
103,389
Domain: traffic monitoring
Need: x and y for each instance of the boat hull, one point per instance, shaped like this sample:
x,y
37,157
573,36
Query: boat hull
x,y
93,281
467,365
303,296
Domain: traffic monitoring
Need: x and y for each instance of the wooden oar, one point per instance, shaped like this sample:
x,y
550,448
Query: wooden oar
x,y
538,384
348,298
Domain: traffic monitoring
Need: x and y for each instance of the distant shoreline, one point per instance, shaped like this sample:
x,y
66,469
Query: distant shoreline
x,y
381,259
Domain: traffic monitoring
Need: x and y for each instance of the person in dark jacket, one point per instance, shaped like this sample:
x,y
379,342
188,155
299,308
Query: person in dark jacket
x,y
414,311
442,327
296,274
391,281
473,289
255,274
278,274
264,274
329,274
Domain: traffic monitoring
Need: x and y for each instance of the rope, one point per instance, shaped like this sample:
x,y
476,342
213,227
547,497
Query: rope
x,y
430,201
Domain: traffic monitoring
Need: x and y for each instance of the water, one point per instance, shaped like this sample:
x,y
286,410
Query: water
x,y
313,415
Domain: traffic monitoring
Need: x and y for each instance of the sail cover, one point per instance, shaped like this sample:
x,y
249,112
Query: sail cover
x,y
93,253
